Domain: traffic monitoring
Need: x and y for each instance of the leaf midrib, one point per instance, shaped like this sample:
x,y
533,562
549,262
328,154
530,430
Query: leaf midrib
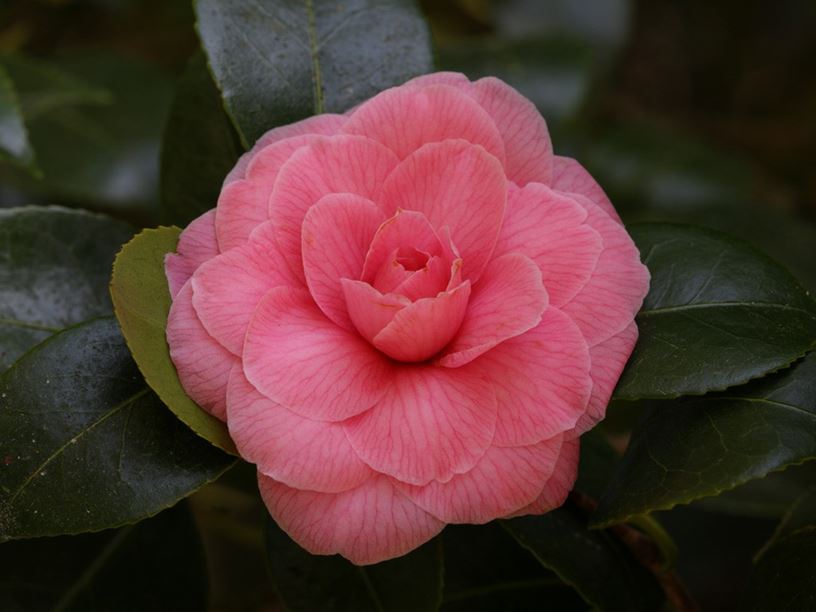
x,y
703,306
314,49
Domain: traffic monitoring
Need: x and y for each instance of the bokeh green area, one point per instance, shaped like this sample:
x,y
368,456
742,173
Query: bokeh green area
x,y
694,111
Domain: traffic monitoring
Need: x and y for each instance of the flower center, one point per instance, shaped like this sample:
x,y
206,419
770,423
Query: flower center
x,y
411,259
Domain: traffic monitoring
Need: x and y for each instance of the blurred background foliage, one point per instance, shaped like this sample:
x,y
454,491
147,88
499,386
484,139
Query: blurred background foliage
x,y
684,110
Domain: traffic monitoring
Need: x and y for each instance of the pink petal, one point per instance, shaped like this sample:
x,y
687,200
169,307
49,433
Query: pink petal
x,y
202,364
557,488
298,452
453,79
341,164
325,125
550,228
196,245
542,380
432,423
296,357
501,482
527,145
507,301
615,291
421,330
608,360
428,281
369,309
336,234
458,185
571,177
227,289
406,228
406,118
244,203
369,524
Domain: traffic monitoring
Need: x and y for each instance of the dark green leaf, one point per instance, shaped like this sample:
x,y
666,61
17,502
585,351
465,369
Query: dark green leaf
x,y
14,143
307,582
199,147
277,61
85,444
141,299
594,562
155,565
697,447
54,270
718,314
800,515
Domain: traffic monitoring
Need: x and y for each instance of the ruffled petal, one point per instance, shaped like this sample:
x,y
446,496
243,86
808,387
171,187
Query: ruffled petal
x,y
615,291
501,482
369,524
227,289
542,380
197,244
298,358
296,451
432,423
571,177
458,185
203,365
341,164
558,486
507,301
337,232
550,229
407,118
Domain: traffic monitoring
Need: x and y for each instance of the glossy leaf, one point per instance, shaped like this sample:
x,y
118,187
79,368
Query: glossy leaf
x,y
306,582
142,301
698,447
718,314
54,270
199,147
800,515
14,143
277,61
112,570
86,445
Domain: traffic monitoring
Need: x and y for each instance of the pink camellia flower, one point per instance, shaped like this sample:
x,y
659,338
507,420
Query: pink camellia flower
x,y
406,315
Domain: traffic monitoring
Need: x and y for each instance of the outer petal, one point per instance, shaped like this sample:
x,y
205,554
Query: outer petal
x,y
503,480
202,364
507,301
337,232
527,145
422,329
296,357
406,118
542,381
244,203
458,185
571,177
454,79
324,125
369,524
196,245
227,289
609,301
342,164
608,360
559,485
550,228
431,424
299,452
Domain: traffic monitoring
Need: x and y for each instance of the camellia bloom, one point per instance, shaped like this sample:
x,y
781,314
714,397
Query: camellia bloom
x,y
406,315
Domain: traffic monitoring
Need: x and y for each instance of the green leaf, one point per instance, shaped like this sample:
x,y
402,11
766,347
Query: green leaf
x,y
718,314
277,61
141,299
85,444
14,142
306,582
800,515
593,562
54,270
119,570
199,147
697,447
